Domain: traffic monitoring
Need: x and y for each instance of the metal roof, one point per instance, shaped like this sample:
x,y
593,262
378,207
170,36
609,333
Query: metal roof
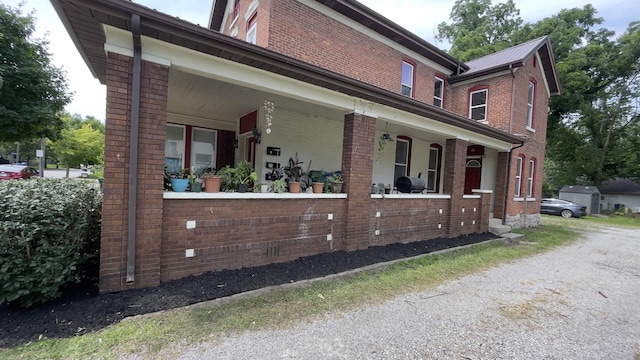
x,y
514,57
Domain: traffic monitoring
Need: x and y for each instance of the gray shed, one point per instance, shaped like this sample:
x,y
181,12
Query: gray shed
x,y
588,196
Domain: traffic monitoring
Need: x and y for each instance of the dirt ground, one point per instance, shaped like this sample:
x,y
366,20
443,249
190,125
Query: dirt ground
x,y
83,309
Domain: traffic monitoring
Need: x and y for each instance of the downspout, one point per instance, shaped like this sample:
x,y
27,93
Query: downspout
x,y
506,195
133,147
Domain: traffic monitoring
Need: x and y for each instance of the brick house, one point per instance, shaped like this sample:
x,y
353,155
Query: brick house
x,y
329,81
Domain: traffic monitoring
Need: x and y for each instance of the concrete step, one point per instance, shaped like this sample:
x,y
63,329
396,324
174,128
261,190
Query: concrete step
x,y
496,227
512,236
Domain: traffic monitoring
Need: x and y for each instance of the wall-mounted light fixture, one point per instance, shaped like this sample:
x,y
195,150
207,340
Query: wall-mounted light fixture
x,y
256,135
234,142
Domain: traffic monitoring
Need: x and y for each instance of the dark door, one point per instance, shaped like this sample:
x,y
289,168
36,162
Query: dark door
x,y
473,175
595,203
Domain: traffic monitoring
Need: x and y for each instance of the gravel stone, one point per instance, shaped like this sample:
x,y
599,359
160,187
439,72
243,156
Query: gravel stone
x,y
577,302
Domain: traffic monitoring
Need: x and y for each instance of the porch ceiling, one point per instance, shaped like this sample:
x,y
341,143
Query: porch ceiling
x,y
210,99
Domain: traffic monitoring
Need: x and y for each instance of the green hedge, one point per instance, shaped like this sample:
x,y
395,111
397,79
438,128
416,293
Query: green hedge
x,y
49,237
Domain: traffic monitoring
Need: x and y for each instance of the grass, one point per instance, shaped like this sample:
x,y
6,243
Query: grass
x,y
590,222
167,331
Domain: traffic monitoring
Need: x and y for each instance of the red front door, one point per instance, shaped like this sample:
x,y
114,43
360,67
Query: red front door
x,y
473,175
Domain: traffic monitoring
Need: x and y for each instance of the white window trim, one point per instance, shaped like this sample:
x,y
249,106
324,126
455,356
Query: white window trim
x,y
410,86
530,99
406,159
532,169
518,177
184,140
441,97
254,31
435,171
485,105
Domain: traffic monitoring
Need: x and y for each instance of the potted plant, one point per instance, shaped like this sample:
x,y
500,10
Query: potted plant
x,y
294,174
244,175
317,184
212,181
278,186
194,184
179,180
228,175
335,183
262,187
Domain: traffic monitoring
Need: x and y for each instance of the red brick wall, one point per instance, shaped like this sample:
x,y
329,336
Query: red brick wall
x,y
332,45
454,170
408,220
152,122
263,19
238,233
357,167
499,100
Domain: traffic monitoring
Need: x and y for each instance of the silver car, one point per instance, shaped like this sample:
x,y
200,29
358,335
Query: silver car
x,y
563,208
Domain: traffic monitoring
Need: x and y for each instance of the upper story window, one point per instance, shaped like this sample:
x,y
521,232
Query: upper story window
x,y
407,78
438,92
236,9
519,171
433,169
532,91
252,26
532,169
478,104
403,157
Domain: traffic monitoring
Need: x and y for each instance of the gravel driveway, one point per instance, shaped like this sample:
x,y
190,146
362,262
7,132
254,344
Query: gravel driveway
x,y
577,302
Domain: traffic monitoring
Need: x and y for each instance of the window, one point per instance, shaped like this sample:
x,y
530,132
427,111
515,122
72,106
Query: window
x,y
438,92
433,168
236,9
519,165
252,29
196,151
407,79
532,168
174,148
532,91
478,105
403,157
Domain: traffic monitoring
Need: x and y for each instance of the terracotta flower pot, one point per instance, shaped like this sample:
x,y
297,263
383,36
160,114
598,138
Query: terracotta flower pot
x,y
294,187
317,187
212,184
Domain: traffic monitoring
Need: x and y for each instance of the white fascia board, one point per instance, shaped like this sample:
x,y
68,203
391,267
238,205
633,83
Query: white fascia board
x,y
482,78
202,64
374,35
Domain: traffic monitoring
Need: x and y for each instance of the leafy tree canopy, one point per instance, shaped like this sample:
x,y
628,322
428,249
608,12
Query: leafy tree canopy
x,y
80,142
33,92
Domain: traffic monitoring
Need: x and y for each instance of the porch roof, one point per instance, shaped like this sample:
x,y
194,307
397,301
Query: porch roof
x,y
84,21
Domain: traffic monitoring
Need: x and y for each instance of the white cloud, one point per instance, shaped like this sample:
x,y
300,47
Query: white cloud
x,y
418,16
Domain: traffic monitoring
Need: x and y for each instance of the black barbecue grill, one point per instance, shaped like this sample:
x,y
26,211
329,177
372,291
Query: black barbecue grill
x,y
410,184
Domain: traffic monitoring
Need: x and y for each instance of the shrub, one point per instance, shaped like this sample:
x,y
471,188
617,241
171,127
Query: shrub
x,y
49,237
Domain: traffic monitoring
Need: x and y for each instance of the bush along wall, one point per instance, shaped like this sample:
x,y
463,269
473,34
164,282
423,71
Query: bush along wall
x,y
49,237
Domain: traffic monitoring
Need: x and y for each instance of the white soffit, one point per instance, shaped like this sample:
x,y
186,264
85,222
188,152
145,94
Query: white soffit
x,y
191,61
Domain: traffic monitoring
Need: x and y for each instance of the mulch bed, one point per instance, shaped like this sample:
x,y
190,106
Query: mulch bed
x,y
82,309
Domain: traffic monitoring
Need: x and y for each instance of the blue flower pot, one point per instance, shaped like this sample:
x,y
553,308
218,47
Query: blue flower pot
x,y
179,185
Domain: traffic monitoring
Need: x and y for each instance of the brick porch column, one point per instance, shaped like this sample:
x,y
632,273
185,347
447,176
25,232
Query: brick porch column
x,y
455,162
150,172
357,170
501,185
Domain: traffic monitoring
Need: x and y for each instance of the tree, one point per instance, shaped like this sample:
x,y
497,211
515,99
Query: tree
x,y
79,143
589,132
479,28
33,92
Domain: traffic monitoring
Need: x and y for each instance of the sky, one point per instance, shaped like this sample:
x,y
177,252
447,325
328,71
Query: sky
x,y
419,16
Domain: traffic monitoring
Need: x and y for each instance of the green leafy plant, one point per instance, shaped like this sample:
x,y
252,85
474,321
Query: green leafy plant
x,y
49,237
278,186
294,170
244,173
